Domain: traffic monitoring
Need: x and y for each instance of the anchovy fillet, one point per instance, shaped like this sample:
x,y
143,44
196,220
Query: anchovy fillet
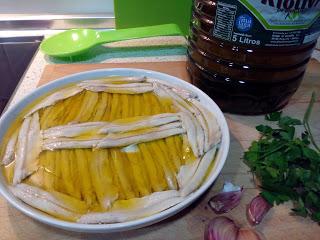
x,y
55,97
43,201
116,79
186,172
9,154
21,151
200,173
28,148
189,124
130,88
116,139
146,122
125,139
143,207
211,125
72,130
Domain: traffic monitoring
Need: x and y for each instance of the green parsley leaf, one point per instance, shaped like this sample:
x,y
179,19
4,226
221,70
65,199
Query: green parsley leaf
x,y
288,166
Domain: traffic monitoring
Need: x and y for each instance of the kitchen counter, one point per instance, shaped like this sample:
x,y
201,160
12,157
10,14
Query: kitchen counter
x,y
190,223
125,51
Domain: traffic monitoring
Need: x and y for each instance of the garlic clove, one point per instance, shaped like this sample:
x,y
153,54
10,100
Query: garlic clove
x,y
221,228
225,201
257,209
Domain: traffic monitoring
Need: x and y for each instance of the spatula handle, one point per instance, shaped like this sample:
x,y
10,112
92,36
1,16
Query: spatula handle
x,y
139,32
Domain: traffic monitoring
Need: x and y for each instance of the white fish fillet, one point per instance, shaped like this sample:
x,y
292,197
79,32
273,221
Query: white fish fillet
x,y
34,144
185,94
42,200
116,79
28,148
21,151
202,138
186,172
147,122
213,130
185,106
72,130
77,129
181,92
200,173
116,139
143,207
9,154
110,85
55,97
68,143
188,124
130,88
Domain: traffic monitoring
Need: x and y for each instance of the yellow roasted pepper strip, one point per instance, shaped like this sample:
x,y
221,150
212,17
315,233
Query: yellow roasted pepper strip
x,y
145,102
102,179
75,106
58,183
44,115
136,105
67,103
155,106
65,170
59,114
145,173
170,142
101,107
148,154
110,190
115,177
96,178
49,170
107,112
154,172
114,107
167,151
85,179
89,102
139,175
124,106
159,156
51,116
75,178
131,104
121,168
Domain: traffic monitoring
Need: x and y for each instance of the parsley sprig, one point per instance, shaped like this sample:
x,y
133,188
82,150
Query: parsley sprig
x,y
287,165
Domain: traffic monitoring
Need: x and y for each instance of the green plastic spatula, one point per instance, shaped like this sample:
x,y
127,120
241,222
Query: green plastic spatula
x,y
77,41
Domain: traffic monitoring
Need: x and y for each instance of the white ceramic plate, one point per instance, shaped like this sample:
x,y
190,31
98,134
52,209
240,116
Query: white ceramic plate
x,y
14,111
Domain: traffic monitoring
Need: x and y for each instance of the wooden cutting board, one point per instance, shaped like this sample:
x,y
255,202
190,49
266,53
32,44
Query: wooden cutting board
x,y
189,224
177,69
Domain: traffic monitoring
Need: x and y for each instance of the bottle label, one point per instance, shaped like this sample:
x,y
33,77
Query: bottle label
x,y
267,22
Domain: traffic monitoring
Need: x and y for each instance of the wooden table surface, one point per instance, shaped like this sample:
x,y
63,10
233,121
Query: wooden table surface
x,y
189,224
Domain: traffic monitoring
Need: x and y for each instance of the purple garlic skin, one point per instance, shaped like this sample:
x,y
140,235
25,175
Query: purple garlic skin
x,y
226,200
257,209
221,228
